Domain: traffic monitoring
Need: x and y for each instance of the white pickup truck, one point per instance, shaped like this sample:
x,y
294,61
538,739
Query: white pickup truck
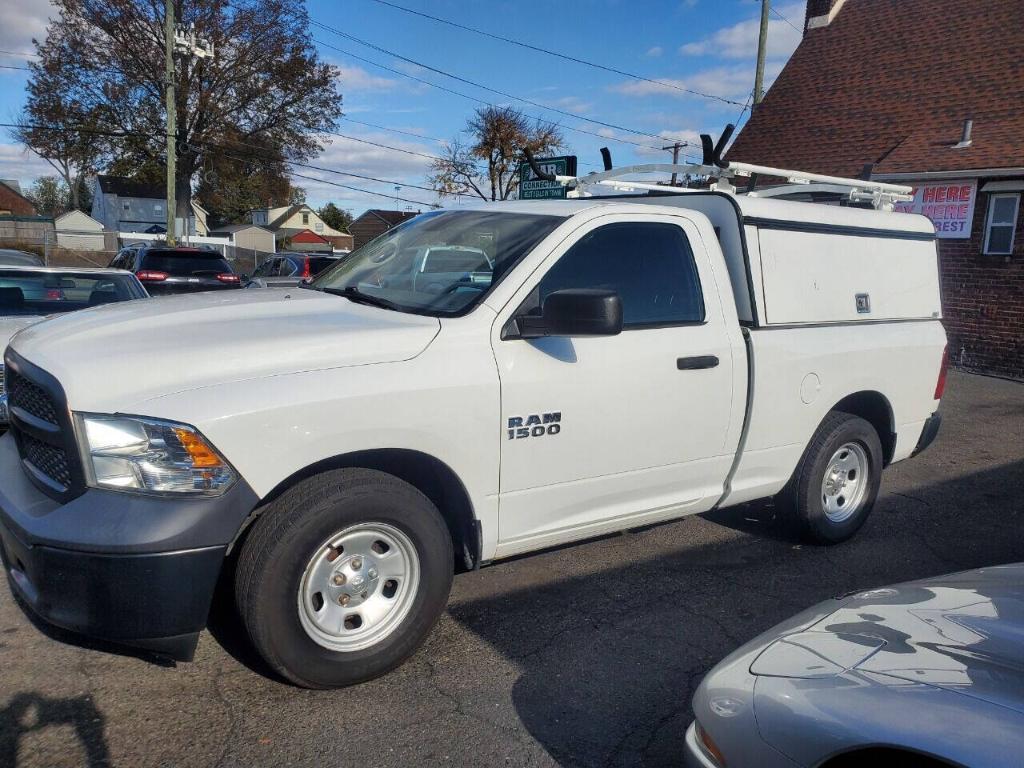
x,y
339,450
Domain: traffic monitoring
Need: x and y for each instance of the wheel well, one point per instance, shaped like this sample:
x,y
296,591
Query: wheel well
x,y
875,409
884,756
430,476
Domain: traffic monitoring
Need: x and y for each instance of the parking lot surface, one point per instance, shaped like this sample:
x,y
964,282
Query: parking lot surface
x,y
583,656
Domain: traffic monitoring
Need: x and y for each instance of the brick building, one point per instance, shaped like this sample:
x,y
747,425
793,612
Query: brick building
x,y
13,202
376,222
928,93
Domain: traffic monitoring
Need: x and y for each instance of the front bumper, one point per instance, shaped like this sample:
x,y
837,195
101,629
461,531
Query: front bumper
x,y
132,569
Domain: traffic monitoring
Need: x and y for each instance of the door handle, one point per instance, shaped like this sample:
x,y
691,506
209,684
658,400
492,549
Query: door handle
x,y
696,363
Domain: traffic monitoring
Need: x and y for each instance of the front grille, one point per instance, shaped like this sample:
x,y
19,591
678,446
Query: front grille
x,y
39,419
1,379
30,397
48,459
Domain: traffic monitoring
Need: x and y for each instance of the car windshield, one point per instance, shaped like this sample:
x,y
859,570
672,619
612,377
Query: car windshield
x,y
439,263
185,263
46,293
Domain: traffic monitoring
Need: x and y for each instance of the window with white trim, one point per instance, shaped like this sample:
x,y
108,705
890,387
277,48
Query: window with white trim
x,y
1001,223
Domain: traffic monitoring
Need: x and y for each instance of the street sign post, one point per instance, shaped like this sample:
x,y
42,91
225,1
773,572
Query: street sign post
x,y
532,188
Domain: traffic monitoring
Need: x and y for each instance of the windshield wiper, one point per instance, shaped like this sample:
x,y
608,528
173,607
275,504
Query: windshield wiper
x,y
352,293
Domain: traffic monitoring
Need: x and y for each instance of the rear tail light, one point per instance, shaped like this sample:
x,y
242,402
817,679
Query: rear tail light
x,y
227,277
54,293
151,276
940,385
305,269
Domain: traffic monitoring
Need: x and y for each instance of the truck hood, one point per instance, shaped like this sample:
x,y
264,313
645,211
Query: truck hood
x,y
11,325
963,632
108,358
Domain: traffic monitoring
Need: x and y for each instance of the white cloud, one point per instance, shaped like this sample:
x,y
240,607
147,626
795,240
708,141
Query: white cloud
x,y
654,52
683,135
16,162
729,82
21,21
368,160
358,79
575,104
740,40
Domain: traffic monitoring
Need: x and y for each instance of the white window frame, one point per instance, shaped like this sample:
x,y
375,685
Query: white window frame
x,y
1013,223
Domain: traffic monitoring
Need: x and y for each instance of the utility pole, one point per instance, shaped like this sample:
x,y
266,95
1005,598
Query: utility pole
x,y
184,41
675,156
172,119
762,44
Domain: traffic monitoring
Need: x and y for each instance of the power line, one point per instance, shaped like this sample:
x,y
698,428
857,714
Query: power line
x,y
8,66
566,57
20,53
392,130
505,94
460,94
264,158
794,26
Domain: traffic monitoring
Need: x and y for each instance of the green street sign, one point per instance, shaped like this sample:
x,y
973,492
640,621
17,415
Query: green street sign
x,y
532,188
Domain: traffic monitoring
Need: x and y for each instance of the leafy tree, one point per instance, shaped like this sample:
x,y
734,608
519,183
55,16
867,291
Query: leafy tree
x,y
254,177
264,97
335,217
49,195
499,135
75,155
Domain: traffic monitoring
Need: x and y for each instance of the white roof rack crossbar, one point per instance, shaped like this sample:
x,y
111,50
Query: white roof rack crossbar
x,y
881,195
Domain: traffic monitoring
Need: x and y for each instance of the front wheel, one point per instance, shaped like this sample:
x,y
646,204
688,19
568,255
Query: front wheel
x,y
836,482
343,577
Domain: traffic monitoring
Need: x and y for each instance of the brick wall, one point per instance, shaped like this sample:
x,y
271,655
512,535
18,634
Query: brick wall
x,y
15,203
983,299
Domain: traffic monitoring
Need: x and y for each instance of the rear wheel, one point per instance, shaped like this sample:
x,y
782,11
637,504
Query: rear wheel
x,y
836,482
343,577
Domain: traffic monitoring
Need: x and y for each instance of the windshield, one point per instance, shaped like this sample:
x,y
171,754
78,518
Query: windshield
x,y
46,293
185,263
438,263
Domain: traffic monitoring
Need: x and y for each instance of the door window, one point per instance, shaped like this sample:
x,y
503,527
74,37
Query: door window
x,y
650,265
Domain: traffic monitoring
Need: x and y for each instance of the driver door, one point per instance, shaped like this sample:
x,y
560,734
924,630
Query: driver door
x,y
603,433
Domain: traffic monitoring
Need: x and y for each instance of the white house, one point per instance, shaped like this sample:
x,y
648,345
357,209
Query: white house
x,y
125,205
79,231
289,221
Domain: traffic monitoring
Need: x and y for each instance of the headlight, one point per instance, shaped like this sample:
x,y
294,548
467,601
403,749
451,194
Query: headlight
x,y
150,455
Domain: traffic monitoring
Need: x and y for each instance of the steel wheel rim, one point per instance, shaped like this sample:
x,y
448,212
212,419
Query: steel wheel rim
x,y
845,484
358,586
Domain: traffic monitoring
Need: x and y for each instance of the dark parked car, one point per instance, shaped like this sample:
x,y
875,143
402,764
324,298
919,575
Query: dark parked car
x,y
286,270
166,270
10,258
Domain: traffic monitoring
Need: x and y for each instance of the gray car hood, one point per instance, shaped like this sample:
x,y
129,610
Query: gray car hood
x,y
963,632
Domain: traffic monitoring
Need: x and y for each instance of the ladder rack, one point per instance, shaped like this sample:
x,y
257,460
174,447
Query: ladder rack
x,y
881,195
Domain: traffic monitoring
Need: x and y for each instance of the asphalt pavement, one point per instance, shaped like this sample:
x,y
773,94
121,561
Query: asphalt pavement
x,y
582,656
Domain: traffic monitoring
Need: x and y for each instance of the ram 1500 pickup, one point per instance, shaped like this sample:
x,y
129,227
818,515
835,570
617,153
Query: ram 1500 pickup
x,y
338,450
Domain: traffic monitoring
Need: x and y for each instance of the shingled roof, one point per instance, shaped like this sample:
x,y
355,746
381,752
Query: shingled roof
x,y
124,187
890,83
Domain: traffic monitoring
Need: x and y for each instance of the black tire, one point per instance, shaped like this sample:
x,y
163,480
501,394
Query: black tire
x,y
800,502
275,554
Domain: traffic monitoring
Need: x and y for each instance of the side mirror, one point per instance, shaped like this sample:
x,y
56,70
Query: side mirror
x,y
575,312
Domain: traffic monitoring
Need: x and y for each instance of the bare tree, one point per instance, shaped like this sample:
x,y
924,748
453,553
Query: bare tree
x,y
265,87
489,166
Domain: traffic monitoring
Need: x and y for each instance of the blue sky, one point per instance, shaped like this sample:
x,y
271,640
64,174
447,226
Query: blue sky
x,y
701,45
